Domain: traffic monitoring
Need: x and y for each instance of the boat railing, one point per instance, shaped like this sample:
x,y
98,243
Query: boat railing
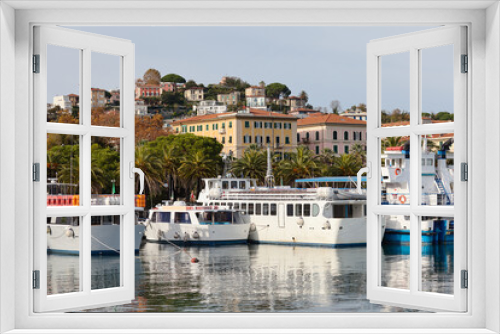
x,y
270,196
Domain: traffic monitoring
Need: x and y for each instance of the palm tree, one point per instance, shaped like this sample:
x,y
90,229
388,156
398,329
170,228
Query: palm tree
x,y
252,164
346,165
70,173
391,142
151,165
196,166
359,152
170,165
301,164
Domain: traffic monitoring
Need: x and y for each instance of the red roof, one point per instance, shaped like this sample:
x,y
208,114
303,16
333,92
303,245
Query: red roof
x,y
253,112
73,95
321,118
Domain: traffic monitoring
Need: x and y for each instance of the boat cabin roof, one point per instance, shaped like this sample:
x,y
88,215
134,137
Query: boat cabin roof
x,y
178,208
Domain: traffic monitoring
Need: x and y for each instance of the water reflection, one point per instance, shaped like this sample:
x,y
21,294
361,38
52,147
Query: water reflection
x,y
264,278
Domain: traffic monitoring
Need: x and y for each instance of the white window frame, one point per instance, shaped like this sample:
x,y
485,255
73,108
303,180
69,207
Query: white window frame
x,y
484,103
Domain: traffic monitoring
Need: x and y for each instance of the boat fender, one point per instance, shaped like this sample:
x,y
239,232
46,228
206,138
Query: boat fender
x,y
49,230
158,234
176,235
327,225
397,171
195,235
300,221
253,228
402,199
70,233
186,236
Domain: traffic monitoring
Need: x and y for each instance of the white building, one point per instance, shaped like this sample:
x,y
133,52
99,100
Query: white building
x,y
62,101
256,97
357,114
210,107
140,107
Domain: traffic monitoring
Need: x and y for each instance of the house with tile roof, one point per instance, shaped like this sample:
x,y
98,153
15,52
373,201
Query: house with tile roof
x,y
337,133
238,130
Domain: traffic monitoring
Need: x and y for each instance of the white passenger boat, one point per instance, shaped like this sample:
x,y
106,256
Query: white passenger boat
x,y
63,235
204,225
437,189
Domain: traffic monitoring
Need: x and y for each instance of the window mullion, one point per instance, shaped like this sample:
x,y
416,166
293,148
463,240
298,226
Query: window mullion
x,y
85,175
414,171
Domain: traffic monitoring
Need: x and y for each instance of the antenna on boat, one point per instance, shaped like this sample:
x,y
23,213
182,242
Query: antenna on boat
x,y
269,174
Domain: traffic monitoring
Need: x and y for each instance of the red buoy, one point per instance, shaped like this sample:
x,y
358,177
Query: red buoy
x,y
194,260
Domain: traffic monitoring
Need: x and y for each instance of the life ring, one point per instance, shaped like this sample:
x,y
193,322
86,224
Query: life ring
x,y
402,199
397,171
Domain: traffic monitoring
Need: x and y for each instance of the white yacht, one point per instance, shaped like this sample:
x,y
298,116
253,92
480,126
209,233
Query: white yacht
x,y
63,235
205,225
437,189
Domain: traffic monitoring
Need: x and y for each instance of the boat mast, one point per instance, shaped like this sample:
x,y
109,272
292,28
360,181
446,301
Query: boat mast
x,y
269,174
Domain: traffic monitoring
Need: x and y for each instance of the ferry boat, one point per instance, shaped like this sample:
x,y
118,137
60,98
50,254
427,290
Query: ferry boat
x,y
63,232
437,189
202,225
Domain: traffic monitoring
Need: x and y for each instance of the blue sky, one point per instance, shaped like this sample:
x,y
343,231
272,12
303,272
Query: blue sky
x,y
329,63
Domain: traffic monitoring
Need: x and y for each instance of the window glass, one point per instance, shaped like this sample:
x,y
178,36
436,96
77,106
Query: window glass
x,y
307,210
273,209
234,184
265,209
250,208
182,218
289,210
258,209
105,93
298,210
162,217
242,184
315,210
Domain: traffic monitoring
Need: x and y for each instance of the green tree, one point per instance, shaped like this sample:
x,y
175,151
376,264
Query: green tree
x,y
172,77
252,164
277,90
194,167
301,164
346,165
191,84
359,152
391,142
304,96
150,163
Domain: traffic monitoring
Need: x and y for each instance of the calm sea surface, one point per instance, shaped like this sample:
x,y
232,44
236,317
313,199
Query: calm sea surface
x,y
255,278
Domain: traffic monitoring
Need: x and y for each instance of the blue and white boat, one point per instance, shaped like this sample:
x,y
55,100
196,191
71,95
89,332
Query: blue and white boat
x,y
437,189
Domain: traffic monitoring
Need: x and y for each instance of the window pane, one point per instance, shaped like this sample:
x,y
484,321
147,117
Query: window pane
x,y
63,255
395,171
105,81
106,242
395,89
395,252
63,170
437,254
437,84
105,169
63,84
437,175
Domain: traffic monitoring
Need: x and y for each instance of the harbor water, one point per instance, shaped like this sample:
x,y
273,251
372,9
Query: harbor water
x,y
255,278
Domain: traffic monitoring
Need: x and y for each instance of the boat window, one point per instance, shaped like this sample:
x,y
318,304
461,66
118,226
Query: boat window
x,y
182,218
223,217
230,204
423,162
273,209
223,203
289,210
243,206
298,210
258,209
242,185
315,210
225,185
307,210
429,162
265,209
162,217
234,184
250,208
338,211
217,204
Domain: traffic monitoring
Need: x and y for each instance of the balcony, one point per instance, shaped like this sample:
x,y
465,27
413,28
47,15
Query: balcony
x,y
222,131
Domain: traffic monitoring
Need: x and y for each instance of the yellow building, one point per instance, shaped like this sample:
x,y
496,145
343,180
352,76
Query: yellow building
x,y
238,130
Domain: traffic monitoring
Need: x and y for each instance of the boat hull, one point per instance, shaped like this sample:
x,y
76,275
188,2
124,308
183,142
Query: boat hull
x,y
104,239
338,233
190,234
433,232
